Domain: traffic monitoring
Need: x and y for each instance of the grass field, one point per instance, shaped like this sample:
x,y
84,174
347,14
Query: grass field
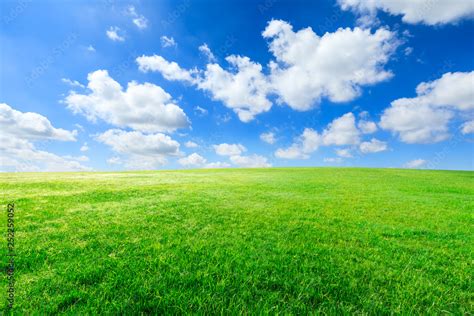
x,y
364,241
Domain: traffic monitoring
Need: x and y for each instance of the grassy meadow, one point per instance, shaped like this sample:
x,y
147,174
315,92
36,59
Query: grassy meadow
x,y
253,241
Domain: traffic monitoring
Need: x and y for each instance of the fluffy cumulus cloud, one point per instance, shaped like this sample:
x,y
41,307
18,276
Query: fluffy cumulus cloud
x,y
139,20
468,128
373,146
415,164
428,12
208,53
229,149
142,151
243,90
416,123
307,143
234,152
193,160
342,131
84,147
30,125
344,152
17,154
268,138
143,107
137,143
218,164
333,160
367,127
426,117
190,144
19,131
336,65
170,70
72,83
306,68
197,161
252,161
114,33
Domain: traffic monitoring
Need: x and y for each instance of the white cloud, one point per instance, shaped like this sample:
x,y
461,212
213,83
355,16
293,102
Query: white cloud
x,y
344,152
336,65
304,145
222,119
467,128
193,160
17,154
421,11
367,127
295,151
307,68
170,70
200,111
84,147
144,107
333,160
72,83
137,143
229,149
144,162
80,127
408,51
139,20
168,41
30,125
207,52
114,161
76,158
218,164
342,131
415,123
90,48
196,160
143,151
268,138
414,164
425,118
454,90
374,146
190,144
243,90
113,34
253,161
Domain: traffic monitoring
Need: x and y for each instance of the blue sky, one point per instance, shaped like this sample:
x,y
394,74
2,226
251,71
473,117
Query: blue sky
x,y
116,85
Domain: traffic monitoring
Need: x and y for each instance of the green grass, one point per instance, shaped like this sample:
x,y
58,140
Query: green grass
x,y
328,240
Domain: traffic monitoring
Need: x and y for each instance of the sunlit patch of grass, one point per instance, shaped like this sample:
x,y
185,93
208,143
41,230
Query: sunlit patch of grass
x,y
367,241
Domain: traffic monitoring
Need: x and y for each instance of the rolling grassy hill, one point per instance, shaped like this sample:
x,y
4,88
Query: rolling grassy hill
x,y
301,240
